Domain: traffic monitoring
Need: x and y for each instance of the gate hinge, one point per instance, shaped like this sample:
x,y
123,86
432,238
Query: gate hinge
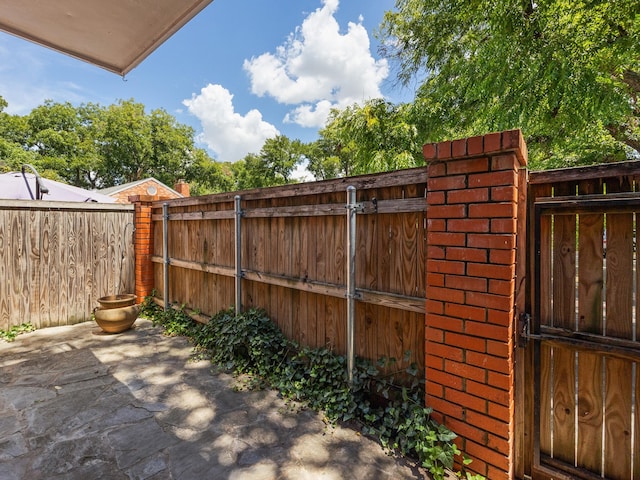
x,y
524,329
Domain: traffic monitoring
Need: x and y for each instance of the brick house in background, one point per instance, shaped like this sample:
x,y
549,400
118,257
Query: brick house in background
x,y
149,187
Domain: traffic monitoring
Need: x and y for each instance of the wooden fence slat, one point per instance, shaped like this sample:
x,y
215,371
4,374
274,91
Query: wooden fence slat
x,y
546,379
590,263
19,283
63,269
590,271
619,267
564,266
303,319
590,414
73,259
47,237
54,268
5,252
619,276
367,247
564,405
618,419
544,309
33,266
312,299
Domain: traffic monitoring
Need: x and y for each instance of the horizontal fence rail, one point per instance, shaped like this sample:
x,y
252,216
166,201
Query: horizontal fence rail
x,y
293,253
58,258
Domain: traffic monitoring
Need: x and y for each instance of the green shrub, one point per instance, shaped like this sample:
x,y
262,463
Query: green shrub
x,y
11,334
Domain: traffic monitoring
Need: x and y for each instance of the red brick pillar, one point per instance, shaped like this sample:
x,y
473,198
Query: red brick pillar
x,y
143,245
472,215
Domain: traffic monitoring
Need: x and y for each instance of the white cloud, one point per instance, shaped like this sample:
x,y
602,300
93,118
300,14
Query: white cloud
x,y
301,173
307,115
230,135
319,68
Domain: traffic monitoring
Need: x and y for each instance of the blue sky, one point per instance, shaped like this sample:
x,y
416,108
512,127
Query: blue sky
x,y
240,72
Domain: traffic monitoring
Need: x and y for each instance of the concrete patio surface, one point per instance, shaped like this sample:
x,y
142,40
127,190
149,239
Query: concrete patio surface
x,y
79,404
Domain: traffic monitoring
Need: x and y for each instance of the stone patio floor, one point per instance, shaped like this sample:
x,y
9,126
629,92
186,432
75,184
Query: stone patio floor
x,y
79,404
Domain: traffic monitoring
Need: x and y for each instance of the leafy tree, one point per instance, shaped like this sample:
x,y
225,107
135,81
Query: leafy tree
x,y
324,160
13,138
124,138
13,156
172,149
206,176
566,72
274,165
62,137
92,146
251,172
378,136
133,145
280,156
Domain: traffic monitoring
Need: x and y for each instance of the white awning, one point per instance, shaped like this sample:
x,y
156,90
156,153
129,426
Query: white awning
x,y
113,34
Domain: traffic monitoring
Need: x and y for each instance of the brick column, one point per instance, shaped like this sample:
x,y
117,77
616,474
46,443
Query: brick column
x,y
472,215
143,245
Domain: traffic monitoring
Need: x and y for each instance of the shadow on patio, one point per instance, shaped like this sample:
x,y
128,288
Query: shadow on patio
x,y
76,403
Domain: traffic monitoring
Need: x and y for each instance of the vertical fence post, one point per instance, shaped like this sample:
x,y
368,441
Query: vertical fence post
x,y
475,220
143,232
165,253
238,217
351,278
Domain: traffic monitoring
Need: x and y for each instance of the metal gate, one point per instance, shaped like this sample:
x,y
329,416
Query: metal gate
x,y
582,407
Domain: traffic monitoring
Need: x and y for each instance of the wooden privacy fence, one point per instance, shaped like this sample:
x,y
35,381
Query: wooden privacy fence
x,y
582,410
58,258
293,259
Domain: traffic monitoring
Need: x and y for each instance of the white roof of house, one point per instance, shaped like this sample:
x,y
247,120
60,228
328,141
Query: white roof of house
x,y
16,186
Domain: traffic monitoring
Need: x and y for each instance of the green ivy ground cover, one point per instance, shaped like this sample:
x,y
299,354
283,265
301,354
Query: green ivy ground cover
x,y
392,412
11,334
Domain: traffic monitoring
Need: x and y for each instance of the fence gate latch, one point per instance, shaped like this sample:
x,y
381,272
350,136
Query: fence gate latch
x,y
524,329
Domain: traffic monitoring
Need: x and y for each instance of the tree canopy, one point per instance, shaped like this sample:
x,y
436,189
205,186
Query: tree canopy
x,y
274,165
566,72
375,137
91,146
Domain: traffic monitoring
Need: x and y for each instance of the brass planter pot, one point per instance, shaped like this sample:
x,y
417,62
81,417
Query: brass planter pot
x,y
116,320
116,313
117,301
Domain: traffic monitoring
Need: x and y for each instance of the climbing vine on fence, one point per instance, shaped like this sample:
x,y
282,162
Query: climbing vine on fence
x,y
392,412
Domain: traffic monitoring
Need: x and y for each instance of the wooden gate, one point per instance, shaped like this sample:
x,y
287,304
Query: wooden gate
x,y
581,411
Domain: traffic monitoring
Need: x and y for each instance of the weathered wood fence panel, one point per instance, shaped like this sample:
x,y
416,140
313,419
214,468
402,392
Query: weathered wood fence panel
x,y
585,325
293,245
57,259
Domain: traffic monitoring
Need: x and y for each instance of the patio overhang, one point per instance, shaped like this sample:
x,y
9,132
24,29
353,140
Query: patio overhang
x,y
116,35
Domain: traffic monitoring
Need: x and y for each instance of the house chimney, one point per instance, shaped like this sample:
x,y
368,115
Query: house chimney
x,y
182,188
